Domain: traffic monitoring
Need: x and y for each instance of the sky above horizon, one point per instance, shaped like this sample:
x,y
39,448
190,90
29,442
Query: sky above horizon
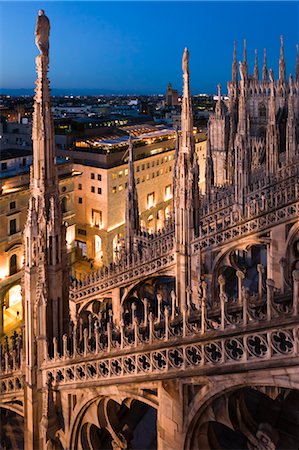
x,y
137,46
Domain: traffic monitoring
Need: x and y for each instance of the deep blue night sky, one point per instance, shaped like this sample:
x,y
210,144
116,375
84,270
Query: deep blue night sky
x,y
137,46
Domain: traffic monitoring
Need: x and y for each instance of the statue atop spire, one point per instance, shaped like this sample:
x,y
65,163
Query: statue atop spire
x,y
187,116
42,32
265,69
185,62
235,65
282,64
256,66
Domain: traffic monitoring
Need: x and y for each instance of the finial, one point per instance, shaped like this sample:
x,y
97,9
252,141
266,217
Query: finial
x,y
185,62
256,66
265,70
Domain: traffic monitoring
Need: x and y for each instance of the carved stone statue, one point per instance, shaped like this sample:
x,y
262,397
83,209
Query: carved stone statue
x,y
271,75
42,32
242,70
185,62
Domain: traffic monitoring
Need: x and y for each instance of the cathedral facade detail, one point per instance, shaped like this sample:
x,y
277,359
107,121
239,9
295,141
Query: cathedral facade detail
x,y
190,339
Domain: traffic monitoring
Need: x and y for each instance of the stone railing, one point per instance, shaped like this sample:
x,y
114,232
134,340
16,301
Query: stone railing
x,y
11,370
250,329
126,271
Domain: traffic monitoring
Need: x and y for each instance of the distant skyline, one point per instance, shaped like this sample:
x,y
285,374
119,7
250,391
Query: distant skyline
x,y
136,47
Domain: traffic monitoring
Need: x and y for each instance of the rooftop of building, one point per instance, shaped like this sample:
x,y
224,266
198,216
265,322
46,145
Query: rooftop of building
x,y
11,153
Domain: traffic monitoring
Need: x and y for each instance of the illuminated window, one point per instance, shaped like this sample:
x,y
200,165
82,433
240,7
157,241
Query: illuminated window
x,y
92,176
120,174
96,217
14,295
126,171
168,193
169,158
114,190
161,171
98,247
150,200
114,176
147,176
120,187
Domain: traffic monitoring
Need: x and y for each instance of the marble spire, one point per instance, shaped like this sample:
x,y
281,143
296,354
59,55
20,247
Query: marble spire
x,y
256,66
282,64
45,268
235,65
265,69
132,211
186,201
